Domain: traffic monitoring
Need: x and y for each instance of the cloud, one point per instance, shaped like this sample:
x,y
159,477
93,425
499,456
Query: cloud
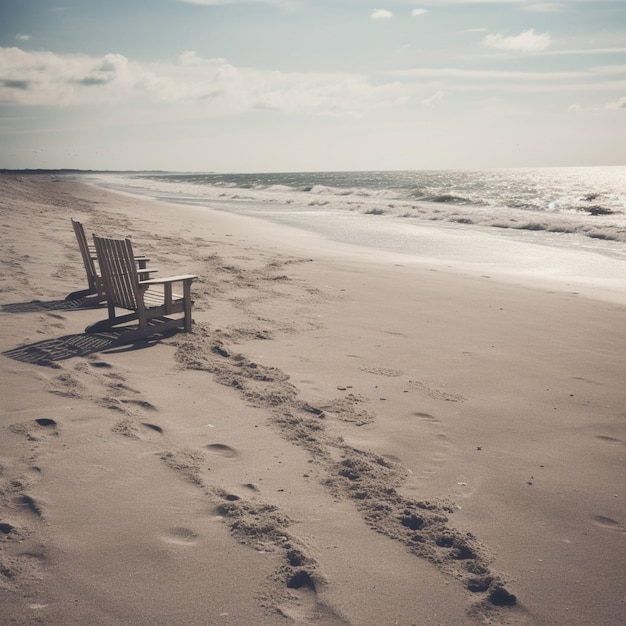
x,y
110,68
40,77
583,51
491,75
608,80
619,104
381,14
608,106
610,70
545,7
526,41
419,12
190,57
20,37
430,102
15,84
208,87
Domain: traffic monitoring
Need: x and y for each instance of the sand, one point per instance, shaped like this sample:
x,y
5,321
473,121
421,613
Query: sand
x,y
344,438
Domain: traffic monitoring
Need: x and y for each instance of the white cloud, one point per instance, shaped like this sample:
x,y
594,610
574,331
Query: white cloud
x,y
430,102
111,67
619,104
583,51
418,12
381,14
608,106
545,7
526,41
208,86
22,37
610,70
190,57
610,80
491,75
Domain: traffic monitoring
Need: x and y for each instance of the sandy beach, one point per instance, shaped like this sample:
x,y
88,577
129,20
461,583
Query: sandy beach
x,y
344,438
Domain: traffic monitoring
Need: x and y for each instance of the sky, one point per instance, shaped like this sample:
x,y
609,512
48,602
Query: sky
x,y
311,85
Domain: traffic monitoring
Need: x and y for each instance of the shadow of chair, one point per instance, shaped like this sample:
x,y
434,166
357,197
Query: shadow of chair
x,y
49,351
35,306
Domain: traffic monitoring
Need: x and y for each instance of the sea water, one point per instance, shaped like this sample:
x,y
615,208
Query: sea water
x,y
565,225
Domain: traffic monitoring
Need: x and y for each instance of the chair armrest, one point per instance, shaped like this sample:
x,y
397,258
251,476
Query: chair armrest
x,y
168,279
143,273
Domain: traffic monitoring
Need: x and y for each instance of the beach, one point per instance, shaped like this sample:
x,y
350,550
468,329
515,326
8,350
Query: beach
x,y
344,438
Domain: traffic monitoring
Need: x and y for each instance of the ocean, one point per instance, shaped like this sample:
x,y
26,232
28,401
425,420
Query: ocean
x,y
565,225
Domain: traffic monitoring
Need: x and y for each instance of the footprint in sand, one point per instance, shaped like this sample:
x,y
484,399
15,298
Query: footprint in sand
x,y
100,364
129,427
608,524
382,371
142,404
440,452
304,604
26,503
222,450
153,427
435,391
180,536
35,430
45,421
427,417
607,439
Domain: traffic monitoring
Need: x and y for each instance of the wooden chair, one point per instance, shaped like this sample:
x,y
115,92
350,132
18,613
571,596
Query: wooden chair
x,y
95,292
150,300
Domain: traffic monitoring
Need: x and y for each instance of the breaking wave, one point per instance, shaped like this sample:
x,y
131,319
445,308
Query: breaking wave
x,y
583,202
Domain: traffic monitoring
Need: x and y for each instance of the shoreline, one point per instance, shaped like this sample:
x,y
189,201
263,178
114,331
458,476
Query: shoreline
x,y
339,441
536,262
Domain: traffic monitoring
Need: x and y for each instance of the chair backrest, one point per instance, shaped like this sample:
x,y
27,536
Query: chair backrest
x,y
90,267
119,273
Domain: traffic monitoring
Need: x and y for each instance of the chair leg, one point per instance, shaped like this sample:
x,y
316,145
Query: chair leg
x,y
187,305
80,294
